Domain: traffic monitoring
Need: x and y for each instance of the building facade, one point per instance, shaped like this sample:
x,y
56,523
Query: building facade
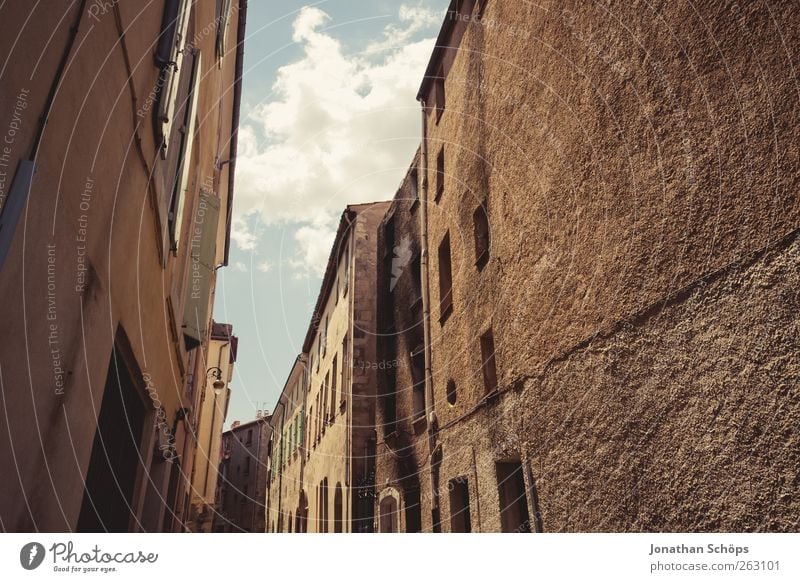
x,y
608,295
287,498
326,475
213,409
243,477
116,185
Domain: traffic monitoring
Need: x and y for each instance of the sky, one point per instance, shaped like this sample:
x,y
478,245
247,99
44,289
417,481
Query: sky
x,y
329,118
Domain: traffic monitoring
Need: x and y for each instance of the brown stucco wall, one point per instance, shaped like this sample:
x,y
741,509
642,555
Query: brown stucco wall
x,y
91,136
634,158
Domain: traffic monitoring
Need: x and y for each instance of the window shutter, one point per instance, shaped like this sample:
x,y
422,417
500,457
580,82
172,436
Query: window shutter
x,y
170,80
202,256
183,182
13,205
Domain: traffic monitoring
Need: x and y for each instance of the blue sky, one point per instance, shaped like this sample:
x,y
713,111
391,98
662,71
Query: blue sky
x,y
329,118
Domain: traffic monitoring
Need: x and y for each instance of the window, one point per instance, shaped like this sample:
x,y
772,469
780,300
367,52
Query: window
x,y
325,337
181,189
302,420
439,175
250,436
459,505
418,377
513,498
247,465
388,515
325,388
451,392
416,275
245,496
488,365
323,510
413,510
334,380
310,438
480,219
345,373
439,96
337,509
346,267
445,280
170,51
413,183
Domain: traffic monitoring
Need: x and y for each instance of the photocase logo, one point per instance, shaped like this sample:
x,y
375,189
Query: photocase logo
x,y
402,256
31,555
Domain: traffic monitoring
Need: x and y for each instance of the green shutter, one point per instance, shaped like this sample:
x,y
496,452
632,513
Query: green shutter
x,y
302,424
202,258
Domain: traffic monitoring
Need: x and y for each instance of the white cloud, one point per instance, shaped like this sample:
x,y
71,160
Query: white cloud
x,y
242,235
314,242
240,266
341,129
264,266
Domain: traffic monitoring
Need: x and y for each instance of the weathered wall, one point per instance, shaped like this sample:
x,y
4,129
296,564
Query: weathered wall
x,y
628,151
402,447
94,203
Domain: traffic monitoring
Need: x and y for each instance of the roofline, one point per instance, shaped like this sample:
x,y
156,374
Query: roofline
x,y
330,273
264,419
438,50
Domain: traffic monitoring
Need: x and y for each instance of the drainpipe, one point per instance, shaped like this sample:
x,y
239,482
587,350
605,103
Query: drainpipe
x,y
430,412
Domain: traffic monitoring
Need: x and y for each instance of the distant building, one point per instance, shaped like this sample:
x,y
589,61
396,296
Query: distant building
x,y
213,410
287,500
334,457
243,477
116,192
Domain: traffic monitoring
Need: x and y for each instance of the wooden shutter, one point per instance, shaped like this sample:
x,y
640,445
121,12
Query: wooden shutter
x,y
202,256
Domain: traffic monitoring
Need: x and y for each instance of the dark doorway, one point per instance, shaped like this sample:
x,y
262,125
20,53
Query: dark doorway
x,y
459,505
110,480
513,499
413,511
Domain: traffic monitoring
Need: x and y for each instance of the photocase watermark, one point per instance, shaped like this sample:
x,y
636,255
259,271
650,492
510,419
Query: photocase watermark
x,y
81,236
6,148
51,313
100,8
66,559
196,242
379,365
490,23
31,555
167,448
402,256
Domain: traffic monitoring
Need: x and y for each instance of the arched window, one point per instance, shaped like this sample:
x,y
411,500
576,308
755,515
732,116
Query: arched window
x,y
337,509
388,515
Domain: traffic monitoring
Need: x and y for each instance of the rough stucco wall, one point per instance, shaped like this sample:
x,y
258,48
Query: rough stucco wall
x,y
401,453
627,151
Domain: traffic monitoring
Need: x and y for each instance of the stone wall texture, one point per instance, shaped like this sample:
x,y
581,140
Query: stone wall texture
x,y
639,162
